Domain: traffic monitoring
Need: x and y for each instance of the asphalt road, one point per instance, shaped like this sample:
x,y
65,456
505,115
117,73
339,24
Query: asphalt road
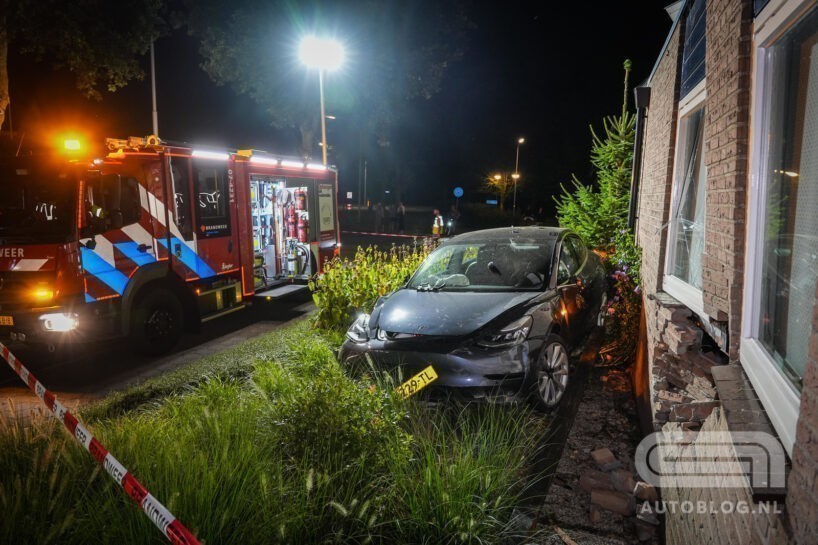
x,y
84,372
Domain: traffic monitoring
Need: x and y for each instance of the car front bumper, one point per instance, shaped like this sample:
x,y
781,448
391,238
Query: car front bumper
x,y
467,372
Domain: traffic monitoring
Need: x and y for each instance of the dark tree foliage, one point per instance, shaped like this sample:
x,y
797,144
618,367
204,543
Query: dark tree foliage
x,y
101,42
396,53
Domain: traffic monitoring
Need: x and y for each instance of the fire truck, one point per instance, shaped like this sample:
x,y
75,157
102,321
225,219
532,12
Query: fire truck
x,y
152,239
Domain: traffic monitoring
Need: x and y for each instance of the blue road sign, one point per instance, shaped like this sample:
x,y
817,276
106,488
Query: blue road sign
x,y
458,192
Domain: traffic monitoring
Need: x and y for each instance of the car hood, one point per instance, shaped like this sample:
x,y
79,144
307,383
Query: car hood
x,y
445,313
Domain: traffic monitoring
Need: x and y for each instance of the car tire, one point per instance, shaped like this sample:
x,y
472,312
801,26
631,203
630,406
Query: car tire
x,y
156,322
550,376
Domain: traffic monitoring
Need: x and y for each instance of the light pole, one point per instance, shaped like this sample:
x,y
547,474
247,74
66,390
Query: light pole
x,y
516,175
323,54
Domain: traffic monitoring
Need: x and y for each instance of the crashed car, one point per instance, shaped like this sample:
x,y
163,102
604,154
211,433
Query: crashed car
x,y
495,314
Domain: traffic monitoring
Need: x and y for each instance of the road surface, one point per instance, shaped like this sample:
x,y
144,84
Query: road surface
x,y
86,372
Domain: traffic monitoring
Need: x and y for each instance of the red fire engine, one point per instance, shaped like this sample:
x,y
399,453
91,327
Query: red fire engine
x,y
154,238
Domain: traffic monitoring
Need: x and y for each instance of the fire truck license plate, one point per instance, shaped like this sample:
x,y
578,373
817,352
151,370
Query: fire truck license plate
x,y
417,382
6,320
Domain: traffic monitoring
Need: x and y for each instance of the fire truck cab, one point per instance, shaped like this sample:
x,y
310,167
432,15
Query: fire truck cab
x,y
153,239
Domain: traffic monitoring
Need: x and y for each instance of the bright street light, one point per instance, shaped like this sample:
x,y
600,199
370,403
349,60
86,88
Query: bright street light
x,y
516,174
322,54
497,177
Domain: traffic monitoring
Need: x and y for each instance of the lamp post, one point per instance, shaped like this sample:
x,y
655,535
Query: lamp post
x,y
323,54
516,175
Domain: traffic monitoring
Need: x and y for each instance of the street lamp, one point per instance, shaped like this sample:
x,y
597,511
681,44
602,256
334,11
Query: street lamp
x,y
323,54
516,174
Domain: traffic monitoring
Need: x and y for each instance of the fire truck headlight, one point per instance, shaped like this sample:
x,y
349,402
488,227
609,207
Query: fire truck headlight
x,y
59,321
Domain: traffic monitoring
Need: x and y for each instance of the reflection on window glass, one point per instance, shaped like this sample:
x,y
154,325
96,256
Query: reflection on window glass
x,y
210,199
36,205
489,266
790,264
687,223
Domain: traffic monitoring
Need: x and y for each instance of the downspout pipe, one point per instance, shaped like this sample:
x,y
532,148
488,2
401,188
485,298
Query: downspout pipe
x,y
642,98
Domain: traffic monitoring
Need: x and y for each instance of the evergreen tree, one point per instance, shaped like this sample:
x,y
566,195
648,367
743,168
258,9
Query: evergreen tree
x,y
599,212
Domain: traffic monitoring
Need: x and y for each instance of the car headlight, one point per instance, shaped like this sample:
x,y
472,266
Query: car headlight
x,y
61,322
359,330
510,335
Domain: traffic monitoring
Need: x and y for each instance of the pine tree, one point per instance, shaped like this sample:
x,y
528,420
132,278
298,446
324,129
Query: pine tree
x,y
599,212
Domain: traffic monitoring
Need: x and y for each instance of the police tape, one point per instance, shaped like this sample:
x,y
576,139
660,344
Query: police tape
x,y
169,525
384,234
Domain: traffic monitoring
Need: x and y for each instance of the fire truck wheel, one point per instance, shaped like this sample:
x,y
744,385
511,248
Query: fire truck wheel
x,y
156,323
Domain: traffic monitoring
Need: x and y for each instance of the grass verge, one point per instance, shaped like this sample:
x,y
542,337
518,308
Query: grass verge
x,y
270,442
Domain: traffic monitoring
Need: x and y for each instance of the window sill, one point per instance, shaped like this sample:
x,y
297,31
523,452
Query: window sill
x,y
745,413
685,293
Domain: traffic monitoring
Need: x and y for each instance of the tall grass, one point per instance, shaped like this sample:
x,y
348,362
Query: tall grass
x,y
293,452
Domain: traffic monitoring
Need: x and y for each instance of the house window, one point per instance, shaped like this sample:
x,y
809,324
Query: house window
x,y
694,47
782,257
687,223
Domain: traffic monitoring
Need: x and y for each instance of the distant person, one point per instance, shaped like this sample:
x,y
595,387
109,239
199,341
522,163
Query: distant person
x,y
437,224
454,217
401,217
379,213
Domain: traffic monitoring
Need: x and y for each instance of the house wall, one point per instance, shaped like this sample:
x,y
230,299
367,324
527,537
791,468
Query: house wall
x,y
687,384
802,486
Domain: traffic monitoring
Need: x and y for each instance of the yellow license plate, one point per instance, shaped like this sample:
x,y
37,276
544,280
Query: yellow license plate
x,y
414,384
6,320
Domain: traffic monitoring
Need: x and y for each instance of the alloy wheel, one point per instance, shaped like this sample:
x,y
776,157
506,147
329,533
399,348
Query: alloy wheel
x,y
552,376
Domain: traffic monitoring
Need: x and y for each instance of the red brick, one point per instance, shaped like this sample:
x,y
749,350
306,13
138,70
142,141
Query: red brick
x,y
613,501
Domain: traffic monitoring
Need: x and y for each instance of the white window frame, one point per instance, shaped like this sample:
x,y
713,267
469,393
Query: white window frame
x,y
678,288
778,396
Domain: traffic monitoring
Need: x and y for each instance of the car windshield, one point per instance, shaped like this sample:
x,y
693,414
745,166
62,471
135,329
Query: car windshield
x,y
493,265
36,204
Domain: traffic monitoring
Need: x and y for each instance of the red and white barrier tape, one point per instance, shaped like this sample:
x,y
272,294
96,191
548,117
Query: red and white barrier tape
x,y
169,525
384,234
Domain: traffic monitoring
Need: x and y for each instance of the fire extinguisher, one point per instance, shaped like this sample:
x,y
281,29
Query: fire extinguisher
x,y
291,221
300,199
303,227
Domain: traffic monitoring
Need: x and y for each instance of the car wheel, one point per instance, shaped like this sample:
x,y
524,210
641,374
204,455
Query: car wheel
x,y
603,311
551,374
156,324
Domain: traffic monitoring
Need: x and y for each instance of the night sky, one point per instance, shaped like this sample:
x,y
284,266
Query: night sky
x,y
544,71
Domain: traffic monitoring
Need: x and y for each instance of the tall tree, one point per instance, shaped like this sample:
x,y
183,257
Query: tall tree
x,y
100,42
396,54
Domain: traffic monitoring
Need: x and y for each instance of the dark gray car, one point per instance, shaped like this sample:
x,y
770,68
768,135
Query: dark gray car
x,y
496,313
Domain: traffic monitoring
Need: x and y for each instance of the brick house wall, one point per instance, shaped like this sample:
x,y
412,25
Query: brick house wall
x,y
687,384
726,143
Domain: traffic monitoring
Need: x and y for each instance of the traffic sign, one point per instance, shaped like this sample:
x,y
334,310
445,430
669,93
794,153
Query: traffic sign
x,y
458,192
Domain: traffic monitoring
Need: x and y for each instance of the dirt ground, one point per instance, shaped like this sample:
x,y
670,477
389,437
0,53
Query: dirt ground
x,y
606,418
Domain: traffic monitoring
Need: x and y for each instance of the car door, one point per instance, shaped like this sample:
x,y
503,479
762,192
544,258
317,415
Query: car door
x,y
569,314
584,279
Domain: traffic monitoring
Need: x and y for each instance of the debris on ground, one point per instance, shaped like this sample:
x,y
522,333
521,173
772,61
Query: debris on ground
x,y
596,496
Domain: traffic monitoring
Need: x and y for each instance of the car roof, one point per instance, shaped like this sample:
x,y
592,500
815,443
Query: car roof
x,y
539,233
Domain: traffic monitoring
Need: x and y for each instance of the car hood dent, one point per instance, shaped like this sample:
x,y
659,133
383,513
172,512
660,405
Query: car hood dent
x,y
446,313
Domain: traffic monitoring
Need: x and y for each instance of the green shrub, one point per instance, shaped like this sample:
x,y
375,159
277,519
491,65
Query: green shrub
x,y
599,214
348,287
